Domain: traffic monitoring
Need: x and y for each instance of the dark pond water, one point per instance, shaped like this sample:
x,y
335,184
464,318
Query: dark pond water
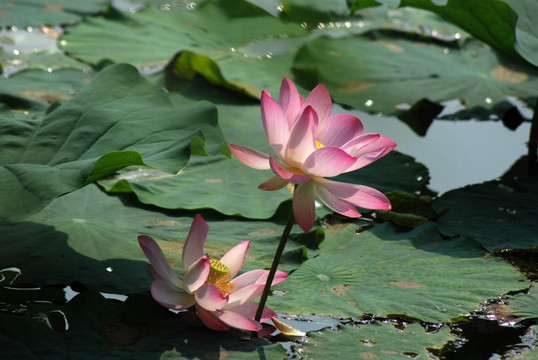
x,y
457,153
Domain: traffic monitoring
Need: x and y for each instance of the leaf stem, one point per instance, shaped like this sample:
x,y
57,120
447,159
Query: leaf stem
x,y
276,261
532,157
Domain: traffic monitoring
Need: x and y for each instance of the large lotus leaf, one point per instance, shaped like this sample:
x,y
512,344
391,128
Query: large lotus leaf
x,y
491,21
314,12
526,43
219,183
38,13
269,60
119,119
22,49
36,110
79,235
524,304
382,272
505,25
332,18
150,37
225,185
43,86
381,74
497,214
375,341
138,328
411,20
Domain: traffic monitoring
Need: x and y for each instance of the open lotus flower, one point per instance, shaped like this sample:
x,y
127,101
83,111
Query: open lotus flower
x,y
221,300
311,145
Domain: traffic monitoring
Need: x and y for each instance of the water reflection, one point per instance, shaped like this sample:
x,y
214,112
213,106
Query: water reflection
x,y
457,153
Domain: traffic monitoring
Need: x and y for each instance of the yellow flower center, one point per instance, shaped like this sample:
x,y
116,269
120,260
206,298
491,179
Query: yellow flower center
x,y
319,145
220,277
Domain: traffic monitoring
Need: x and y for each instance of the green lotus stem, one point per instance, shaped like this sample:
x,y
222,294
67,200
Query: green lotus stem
x,y
276,261
533,143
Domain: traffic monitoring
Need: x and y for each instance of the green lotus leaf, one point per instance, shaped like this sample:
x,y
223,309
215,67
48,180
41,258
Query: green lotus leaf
x,y
43,87
505,25
408,210
375,341
36,13
22,49
90,237
410,20
215,29
119,119
497,214
491,21
526,43
524,305
333,18
216,182
138,328
382,74
382,272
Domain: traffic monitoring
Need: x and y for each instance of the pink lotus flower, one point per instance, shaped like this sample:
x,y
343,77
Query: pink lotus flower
x,y
312,145
221,300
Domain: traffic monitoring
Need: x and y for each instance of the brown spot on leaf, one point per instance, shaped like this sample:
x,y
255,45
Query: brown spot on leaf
x,y
262,232
171,247
407,284
166,222
42,96
213,180
392,47
355,86
508,75
54,7
501,312
368,355
340,290
336,226
334,53
49,32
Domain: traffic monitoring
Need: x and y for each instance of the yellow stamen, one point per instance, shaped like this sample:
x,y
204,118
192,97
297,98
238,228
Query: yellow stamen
x,y
319,145
220,277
